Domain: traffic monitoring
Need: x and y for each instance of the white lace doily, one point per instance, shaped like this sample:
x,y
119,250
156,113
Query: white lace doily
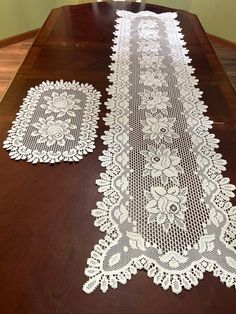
x,y
166,205
56,122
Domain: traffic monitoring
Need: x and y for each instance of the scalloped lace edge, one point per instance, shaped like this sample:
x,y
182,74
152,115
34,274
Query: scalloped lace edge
x,y
74,155
175,280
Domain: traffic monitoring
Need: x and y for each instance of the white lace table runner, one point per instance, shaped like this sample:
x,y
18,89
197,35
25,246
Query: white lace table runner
x,y
56,122
166,204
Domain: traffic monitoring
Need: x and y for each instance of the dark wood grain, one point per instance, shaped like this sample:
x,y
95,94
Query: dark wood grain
x,y
46,229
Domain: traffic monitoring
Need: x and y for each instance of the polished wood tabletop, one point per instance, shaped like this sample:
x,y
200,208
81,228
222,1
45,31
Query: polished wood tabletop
x,y
46,229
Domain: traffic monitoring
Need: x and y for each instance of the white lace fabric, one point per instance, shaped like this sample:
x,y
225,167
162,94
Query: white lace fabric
x,y
56,122
166,206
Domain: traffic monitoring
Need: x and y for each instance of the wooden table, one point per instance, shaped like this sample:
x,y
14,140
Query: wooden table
x,y
46,229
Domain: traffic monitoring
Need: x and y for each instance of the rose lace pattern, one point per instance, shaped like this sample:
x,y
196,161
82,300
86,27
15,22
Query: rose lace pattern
x,y
56,122
166,206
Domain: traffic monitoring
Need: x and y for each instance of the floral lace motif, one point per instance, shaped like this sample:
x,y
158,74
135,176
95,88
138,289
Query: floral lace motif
x,y
162,163
166,205
51,132
57,122
61,104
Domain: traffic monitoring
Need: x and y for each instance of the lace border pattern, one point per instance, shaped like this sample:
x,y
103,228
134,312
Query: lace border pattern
x,y
56,122
166,206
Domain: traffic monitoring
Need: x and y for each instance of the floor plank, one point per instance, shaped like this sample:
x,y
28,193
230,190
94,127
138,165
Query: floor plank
x,y
11,58
227,58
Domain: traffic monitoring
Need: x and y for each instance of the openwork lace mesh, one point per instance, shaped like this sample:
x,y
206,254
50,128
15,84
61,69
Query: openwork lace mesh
x,y
56,122
166,205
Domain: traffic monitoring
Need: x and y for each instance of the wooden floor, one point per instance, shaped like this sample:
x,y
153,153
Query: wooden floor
x,y
227,57
12,56
10,59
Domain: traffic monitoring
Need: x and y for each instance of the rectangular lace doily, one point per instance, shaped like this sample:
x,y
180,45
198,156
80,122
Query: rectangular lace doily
x,y
56,122
166,205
